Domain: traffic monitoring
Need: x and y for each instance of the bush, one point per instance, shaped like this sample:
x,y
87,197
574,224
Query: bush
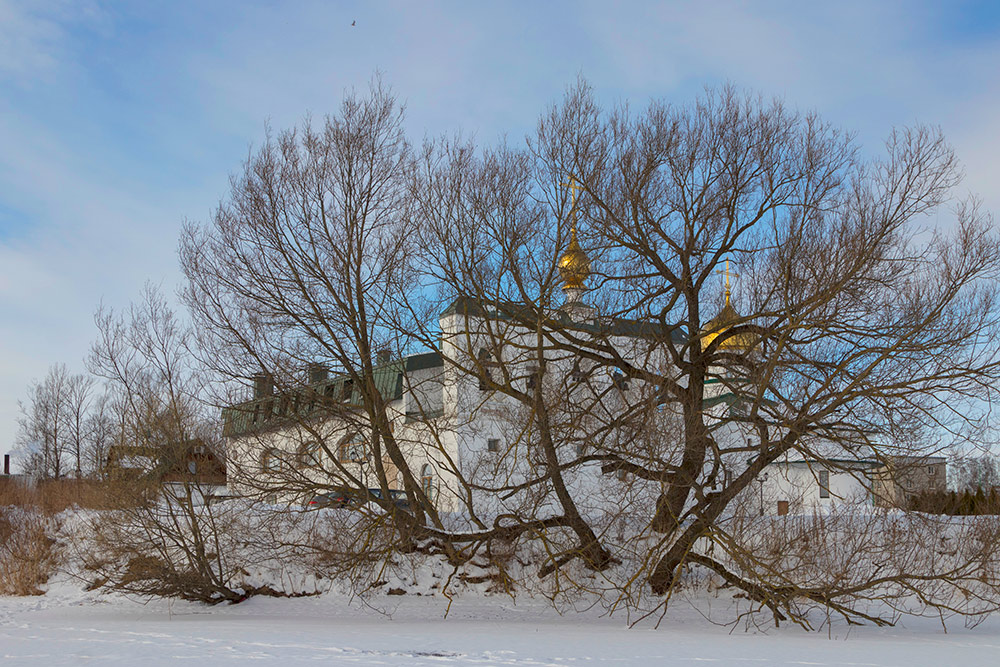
x,y
27,557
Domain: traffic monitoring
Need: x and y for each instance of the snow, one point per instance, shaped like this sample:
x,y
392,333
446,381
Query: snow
x,y
479,626
68,626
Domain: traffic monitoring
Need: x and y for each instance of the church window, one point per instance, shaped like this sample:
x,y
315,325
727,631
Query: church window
x,y
578,374
493,445
352,449
427,481
269,460
824,483
532,381
620,381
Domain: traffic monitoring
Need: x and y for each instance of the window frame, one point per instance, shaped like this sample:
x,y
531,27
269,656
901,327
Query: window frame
x,y
531,383
270,460
309,454
352,443
427,481
823,477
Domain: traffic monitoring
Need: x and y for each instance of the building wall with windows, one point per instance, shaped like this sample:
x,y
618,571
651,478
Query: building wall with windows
x,y
901,478
451,423
804,486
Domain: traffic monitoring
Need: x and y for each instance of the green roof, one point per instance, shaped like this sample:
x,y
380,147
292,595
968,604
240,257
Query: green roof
x,y
272,411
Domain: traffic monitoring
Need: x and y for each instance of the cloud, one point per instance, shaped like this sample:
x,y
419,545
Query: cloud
x,y
33,35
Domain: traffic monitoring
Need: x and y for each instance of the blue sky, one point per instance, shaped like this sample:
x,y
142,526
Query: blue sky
x,y
118,121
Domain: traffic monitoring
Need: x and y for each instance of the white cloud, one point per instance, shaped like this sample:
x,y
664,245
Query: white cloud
x,y
33,35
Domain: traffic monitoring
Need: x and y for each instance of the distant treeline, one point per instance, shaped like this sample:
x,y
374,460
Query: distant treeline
x,y
965,503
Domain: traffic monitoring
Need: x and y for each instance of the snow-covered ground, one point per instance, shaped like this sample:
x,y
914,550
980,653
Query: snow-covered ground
x,y
70,627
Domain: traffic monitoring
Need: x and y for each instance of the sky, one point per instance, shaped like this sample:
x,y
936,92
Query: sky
x,y
120,121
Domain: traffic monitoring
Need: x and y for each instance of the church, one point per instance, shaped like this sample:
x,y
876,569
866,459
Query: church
x,y
461,413
468,416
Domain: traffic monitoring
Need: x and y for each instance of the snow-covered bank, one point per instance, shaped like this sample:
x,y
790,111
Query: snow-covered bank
x,y
69,628
417,609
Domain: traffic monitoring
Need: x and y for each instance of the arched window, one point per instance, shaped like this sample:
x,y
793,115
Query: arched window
x,y
427,481
352,449
485,375
309,454
269,460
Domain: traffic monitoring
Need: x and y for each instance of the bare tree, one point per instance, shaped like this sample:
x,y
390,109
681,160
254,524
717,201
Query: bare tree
x,y
851,334
101,431
42,438
79,400
305,266
159,537
639,400
973,473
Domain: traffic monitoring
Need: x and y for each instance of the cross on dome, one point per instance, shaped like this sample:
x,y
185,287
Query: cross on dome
x,y
727,273
574,265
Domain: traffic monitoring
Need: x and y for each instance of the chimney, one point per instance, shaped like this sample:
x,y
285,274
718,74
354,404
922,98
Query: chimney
x,y
6,464
317,373
383,356
263,385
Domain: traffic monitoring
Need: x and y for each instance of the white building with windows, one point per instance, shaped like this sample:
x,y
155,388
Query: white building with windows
x,y
456,429
797,485
466,441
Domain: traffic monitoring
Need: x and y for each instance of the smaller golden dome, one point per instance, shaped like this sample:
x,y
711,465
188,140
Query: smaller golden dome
x,y
721,323
574,266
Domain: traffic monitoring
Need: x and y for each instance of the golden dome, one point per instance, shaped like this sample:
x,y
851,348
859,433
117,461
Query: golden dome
x,y
574,266
720,324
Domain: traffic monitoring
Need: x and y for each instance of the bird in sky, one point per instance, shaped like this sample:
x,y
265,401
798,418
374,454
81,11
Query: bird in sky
x,y
353,23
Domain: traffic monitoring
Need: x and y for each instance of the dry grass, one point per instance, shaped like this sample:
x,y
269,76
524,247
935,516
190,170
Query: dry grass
x,y
27,557
27,519
52,497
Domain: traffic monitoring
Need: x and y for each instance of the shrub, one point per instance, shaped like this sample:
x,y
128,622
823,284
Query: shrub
x,y
27,557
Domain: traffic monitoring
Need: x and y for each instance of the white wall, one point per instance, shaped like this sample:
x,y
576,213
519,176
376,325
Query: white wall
x,y
798,483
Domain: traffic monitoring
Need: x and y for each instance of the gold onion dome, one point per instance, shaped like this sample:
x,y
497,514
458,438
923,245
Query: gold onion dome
x,y
721,323
574,266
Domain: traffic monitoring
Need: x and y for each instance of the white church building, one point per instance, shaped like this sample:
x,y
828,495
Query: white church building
x,y
454,429
466,441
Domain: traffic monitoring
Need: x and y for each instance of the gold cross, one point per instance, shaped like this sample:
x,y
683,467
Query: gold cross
x,y
727,273
573,187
